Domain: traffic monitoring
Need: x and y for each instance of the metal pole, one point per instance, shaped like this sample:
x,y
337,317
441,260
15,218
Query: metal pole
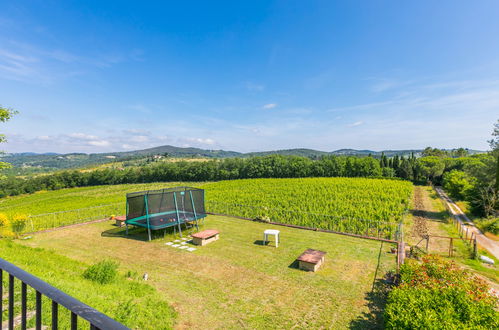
x,y
146,198
194,209
176,210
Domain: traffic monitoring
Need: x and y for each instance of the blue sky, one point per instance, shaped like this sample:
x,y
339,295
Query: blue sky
x,y
97,76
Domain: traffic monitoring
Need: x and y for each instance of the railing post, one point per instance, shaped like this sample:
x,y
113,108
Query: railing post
x,y
38,320
55,315
11,302
23,306
74,321
1,297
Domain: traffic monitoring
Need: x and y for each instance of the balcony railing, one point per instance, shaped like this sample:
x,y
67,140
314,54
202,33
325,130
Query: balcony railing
x,y
57,298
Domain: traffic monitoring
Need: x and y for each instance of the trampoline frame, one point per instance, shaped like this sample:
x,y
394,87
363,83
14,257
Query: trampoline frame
x,y
178,220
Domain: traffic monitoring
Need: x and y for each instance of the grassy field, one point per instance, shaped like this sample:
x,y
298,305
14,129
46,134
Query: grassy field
x,y
128,299
234,282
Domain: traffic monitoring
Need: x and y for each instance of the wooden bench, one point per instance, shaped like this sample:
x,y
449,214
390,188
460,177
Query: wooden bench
x,y
120,220
204,237
311,260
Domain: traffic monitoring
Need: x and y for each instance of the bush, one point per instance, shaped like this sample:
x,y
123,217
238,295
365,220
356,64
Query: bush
x,y
18,223
5,230
103,272
437,294
490,225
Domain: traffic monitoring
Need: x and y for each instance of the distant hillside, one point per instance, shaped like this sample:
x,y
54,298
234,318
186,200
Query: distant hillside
x,y
53,161
289,152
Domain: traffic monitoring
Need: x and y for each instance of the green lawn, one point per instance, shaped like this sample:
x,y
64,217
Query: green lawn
x,y
234,282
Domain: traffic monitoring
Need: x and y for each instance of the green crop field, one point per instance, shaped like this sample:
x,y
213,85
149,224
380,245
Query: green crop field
x,y
356,205
371,207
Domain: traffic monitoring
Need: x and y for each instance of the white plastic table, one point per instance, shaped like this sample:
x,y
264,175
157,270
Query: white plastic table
x,y
268,232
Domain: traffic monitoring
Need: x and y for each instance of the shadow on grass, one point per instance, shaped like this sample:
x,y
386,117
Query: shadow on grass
x,y
294,265
138,234
432,216
376,301
261,242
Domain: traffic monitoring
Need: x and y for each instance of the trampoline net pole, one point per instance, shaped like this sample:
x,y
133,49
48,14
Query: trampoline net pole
x,y
176,210
146,201
194,209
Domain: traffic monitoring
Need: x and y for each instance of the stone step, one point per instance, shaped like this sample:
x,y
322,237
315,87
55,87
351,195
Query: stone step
x,y
17,320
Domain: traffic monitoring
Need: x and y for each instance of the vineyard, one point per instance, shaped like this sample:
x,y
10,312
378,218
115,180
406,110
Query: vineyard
x,y
372,207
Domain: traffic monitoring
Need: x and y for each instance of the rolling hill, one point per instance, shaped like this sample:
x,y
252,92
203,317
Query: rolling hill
x,y
52,161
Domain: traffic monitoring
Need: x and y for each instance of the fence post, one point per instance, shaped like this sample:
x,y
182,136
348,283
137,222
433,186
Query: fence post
x,y
451,247
427,242
475,252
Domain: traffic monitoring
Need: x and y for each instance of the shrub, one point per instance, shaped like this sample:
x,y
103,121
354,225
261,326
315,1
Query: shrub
x,y
102,272
438,294
490,225
5,230
18,223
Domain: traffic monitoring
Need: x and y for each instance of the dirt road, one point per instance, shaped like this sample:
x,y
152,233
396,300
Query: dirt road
x,y
482,240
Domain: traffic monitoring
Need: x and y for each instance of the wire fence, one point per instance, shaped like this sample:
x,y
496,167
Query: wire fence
x,y
364,227
45,221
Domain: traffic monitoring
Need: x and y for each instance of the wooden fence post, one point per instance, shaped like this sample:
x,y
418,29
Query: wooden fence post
x,y
451,247
475,252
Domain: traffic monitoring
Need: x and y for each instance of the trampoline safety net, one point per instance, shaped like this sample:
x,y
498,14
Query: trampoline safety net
x,y
158,209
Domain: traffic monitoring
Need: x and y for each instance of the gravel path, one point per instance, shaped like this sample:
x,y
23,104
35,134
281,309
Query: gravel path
x,y
485,242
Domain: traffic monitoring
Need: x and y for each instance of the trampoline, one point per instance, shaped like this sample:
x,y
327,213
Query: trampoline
x,y
160,209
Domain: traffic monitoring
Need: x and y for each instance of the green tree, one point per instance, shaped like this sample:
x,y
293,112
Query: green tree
x,y
494,145
5,115
432,167
457,184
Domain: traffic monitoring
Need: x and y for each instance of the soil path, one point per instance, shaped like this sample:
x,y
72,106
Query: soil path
x,y
426,221
485,242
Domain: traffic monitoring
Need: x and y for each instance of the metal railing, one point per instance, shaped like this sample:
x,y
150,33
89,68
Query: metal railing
x,y
56,297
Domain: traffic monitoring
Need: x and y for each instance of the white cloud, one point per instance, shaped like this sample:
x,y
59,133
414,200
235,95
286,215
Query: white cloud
x,y
99,143
41,64
202,141
357,123
43,138
269,106
82,136
139,138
